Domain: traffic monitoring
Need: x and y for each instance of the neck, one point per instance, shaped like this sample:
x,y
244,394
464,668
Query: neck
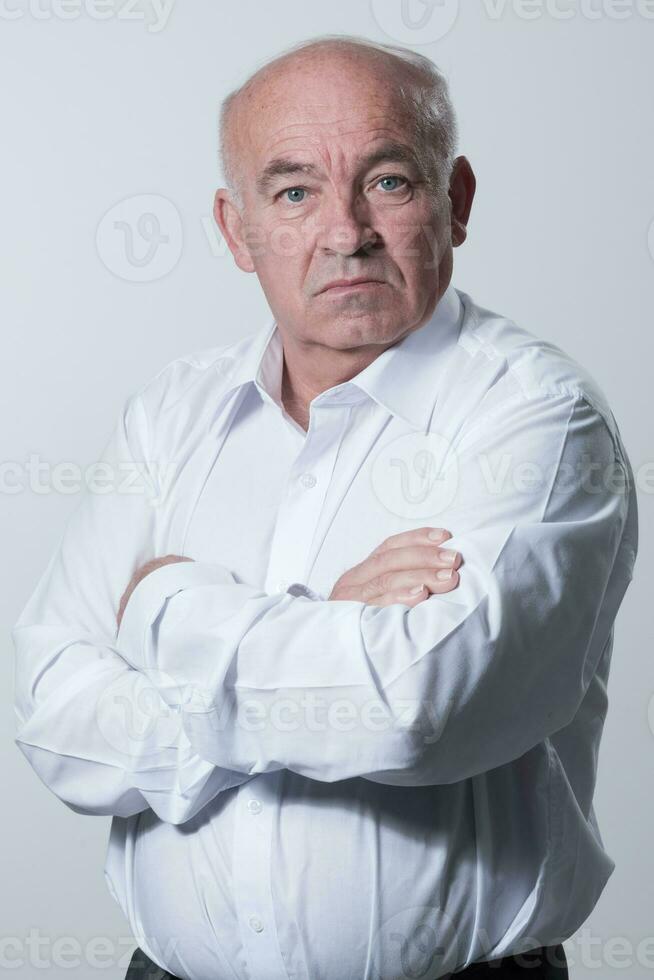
x,y
305,375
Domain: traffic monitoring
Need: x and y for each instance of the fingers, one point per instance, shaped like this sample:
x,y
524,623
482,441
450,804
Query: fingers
x,y
412,598
418,535
403,598
436,579
401,561
378,570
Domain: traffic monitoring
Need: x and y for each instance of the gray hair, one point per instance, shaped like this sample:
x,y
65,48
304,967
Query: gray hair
x,y
427,95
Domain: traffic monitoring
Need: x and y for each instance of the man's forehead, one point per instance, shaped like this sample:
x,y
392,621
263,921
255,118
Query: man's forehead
x,y
333,108
310,128
320,109
326,95
342,75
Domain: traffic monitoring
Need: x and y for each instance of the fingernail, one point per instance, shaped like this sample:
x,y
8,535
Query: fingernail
x,y
436,535
415,589
444,573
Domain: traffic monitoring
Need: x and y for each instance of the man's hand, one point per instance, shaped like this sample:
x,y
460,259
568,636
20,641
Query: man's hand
x,y
411,558
141,573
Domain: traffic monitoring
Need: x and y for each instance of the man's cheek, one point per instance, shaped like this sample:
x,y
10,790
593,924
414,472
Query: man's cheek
x,y
254,240
286,243
406,242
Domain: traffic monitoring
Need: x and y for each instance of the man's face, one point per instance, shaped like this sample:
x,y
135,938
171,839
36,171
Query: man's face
x,y
332,190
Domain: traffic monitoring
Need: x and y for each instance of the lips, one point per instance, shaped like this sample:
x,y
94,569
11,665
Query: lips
x,y
349,283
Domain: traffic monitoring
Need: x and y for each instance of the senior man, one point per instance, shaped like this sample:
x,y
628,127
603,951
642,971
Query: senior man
x,y
365,583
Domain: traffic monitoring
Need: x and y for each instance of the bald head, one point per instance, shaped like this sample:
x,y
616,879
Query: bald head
x,y
418,88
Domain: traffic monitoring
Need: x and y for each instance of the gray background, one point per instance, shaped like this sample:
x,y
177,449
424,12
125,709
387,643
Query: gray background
x,y
556,117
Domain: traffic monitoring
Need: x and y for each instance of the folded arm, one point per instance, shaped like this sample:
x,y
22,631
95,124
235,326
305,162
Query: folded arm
x,y
210,681
457,685
95,728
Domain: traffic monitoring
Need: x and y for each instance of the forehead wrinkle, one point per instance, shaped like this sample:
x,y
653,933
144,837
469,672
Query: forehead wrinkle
x,y
267,103
356,119
287,143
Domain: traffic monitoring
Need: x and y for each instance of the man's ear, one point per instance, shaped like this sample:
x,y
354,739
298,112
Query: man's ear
x,y
462,191
230,221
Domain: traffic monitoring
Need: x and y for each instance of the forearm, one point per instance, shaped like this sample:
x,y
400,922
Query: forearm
x,y
97,731
460,684
102,736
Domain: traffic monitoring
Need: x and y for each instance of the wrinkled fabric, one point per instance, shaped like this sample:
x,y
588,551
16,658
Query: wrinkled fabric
x,y
303,788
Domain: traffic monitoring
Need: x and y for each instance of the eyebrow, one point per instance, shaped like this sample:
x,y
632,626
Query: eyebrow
x,y
287,167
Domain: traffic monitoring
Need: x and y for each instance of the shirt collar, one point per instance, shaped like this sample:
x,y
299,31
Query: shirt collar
x,y
404,379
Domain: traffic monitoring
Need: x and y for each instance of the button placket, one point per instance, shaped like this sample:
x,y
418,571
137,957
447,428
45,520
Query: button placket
x,y
301,508
251,877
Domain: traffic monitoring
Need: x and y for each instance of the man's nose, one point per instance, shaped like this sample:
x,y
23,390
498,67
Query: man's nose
x,y
347,228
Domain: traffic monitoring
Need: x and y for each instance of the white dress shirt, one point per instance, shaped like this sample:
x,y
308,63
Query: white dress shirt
x,y
304,789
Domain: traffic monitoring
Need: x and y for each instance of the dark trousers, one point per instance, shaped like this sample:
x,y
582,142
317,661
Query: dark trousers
x,y
544,963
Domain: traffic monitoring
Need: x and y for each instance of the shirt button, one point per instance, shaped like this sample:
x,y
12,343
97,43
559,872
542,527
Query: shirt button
x,y
281,585
308,480
256,924
254,806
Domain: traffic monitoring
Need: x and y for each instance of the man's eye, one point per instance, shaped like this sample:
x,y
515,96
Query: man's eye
x,y
390,183
295,194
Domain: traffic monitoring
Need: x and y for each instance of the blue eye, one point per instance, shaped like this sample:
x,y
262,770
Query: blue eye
x,y
294,191
385,180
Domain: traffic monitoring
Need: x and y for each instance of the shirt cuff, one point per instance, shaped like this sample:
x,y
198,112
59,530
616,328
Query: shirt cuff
x,y
148,598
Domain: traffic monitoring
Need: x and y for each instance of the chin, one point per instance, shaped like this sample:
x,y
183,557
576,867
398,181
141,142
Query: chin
x,y
358,328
